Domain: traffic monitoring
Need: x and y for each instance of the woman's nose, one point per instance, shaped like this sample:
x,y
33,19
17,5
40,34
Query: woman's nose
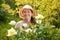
x,y
25,14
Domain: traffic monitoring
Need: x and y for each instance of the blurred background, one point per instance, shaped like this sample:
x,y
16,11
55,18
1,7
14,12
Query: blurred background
x,y
9,9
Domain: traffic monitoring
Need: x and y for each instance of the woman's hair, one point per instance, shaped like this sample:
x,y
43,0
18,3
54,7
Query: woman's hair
x,y
33,21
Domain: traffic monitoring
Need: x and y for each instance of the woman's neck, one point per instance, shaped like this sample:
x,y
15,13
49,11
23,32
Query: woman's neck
x,y
26,21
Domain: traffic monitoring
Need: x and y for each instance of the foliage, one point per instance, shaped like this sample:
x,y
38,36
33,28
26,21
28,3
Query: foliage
x,y
50,9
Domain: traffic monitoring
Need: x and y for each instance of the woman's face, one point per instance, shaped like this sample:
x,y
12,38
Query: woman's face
x,y
27,14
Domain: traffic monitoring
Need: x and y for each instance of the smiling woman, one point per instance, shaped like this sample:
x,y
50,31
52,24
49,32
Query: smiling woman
x,y
27,14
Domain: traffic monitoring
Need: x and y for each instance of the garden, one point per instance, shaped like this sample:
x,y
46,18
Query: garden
x,y
47,19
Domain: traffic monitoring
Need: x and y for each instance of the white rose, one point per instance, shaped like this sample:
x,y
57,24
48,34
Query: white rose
x,y
28,30
39,16
25,25
39,21
12,32
12,22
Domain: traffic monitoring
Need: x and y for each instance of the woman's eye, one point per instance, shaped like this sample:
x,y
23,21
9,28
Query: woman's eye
x,y
24,12
28,11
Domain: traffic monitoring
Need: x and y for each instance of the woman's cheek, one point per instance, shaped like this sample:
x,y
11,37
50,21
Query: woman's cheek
x,y
29,14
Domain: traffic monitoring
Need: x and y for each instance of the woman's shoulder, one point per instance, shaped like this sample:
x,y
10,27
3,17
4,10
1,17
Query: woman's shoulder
x,y
19,23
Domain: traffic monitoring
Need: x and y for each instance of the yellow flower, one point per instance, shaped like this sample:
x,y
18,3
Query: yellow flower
x,y
11,32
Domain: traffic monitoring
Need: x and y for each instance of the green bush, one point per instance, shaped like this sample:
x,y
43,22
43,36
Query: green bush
x,y
50,9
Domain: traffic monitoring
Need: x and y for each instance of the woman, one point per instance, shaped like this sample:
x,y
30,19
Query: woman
x,y
27,14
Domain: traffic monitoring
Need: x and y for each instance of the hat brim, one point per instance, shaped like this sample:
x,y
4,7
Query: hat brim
x,y
21,14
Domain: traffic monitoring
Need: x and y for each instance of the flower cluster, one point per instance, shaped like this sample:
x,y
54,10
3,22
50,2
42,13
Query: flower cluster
x,y
39,18
25,27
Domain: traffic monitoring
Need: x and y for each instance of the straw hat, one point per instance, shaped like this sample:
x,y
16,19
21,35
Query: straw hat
x,y
24,8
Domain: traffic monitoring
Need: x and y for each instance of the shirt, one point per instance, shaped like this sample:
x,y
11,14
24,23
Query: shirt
x,y
20,24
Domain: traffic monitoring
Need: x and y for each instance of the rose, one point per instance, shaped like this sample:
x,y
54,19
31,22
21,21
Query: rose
x,y
12,22
12,32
